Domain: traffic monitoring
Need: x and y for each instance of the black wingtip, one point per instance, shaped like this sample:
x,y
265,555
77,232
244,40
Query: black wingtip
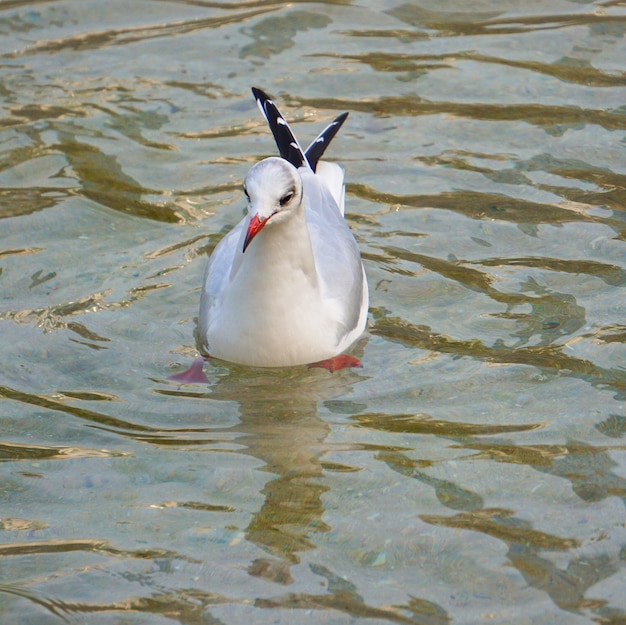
x,y
259,95
315,151
261,98
288,145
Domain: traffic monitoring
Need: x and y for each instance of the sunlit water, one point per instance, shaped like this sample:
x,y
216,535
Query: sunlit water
x,y
474,470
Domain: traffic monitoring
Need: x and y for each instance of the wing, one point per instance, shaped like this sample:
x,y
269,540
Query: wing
x,y
315,151
331,175
288,145
218,274
337,257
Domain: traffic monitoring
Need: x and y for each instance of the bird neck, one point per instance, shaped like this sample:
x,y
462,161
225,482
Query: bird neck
x,y
281,251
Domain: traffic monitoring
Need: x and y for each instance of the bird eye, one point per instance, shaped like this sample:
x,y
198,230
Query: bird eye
x,y
286,198
245,192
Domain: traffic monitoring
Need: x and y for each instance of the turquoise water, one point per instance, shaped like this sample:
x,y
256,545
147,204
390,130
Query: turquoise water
x,y
473,471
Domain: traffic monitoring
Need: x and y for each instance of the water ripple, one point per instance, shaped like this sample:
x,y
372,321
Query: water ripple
x,y
126,36
548,357
477,456
552,117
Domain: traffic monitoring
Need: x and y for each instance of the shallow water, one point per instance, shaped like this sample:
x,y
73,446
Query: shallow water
x,y
473,471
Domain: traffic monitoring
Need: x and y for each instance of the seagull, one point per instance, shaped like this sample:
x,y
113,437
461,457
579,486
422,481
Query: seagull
x,y
286,286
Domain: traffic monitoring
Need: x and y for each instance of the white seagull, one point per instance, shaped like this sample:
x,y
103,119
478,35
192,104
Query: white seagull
x,y
287,286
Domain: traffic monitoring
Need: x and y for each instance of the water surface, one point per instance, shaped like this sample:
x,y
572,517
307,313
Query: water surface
x,y
473,471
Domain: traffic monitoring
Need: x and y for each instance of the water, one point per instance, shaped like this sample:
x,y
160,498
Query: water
x,y
473,471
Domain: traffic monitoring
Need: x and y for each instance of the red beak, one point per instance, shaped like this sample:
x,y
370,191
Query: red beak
x,y
254,227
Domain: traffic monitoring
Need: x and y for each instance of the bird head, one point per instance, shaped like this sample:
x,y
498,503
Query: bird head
x,y
273,190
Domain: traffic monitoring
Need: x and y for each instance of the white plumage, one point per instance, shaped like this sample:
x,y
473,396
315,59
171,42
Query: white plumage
x,y
286,286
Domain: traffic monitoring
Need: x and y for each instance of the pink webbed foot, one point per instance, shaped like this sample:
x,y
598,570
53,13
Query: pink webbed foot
x,y
193,375
343,361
